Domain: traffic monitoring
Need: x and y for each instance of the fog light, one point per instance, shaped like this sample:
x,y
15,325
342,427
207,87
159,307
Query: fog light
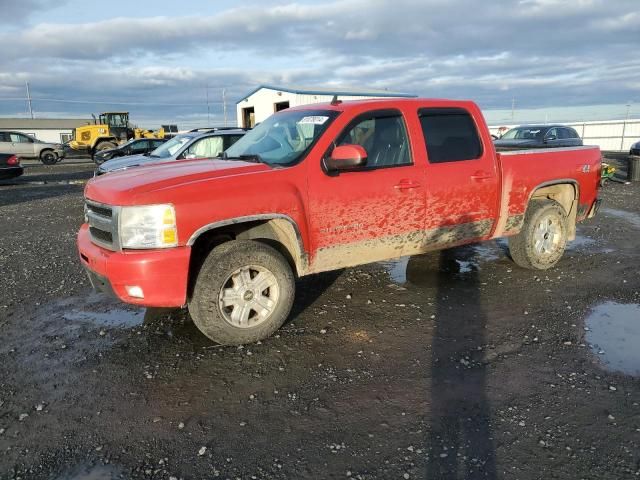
x,y
134,291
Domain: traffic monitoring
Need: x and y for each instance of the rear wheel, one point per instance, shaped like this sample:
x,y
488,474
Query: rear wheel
x,y
99,148
243,293
543,238
48,157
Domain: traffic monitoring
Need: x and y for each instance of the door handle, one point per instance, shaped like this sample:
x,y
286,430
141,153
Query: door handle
x,y
481,176
406,185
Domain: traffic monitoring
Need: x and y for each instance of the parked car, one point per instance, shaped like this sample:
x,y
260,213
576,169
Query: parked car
x,y
635,149
324,187
195,144
9,166
25,146
135,146
538,136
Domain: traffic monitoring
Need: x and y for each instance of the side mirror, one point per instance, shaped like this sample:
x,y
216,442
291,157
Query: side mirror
x,y
346,157
549,138
190,156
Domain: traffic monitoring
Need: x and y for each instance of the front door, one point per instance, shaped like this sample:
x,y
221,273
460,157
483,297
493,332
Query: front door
x,y
375,212
22,145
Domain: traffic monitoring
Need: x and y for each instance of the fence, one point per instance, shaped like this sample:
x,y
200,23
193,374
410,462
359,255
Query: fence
x,y
615,135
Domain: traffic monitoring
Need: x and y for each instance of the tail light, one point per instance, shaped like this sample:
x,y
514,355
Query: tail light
x,y
13,161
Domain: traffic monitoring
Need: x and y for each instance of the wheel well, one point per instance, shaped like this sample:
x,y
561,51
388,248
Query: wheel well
x,y
278,233
44,150
566,194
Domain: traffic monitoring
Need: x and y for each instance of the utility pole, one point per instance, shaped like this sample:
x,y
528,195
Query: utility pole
x,y
513,109
29,100
624,126
224,105
208,108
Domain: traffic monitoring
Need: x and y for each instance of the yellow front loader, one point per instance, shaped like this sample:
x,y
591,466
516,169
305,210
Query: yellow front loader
x,y
111,129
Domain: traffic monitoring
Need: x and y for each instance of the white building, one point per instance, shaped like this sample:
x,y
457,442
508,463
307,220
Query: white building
x,y
265,100
54,130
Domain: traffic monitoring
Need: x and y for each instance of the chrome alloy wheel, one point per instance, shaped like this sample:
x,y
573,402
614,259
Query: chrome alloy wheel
x,y
547,235
248,296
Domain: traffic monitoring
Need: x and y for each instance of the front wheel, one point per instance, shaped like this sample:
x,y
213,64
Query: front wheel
x,y
543,238
243,293
48,157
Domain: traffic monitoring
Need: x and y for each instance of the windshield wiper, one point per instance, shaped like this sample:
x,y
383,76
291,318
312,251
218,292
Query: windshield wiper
x,y
252,158
255,158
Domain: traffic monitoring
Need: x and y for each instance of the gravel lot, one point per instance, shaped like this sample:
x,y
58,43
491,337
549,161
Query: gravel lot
x,y
449,365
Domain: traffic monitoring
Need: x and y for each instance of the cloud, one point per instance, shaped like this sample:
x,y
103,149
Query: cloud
x,y
544,52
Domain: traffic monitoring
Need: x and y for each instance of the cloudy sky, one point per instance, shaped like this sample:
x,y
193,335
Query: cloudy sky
x,y
557,59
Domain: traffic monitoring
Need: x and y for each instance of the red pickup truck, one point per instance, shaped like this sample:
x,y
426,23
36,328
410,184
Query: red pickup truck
x,y
324,187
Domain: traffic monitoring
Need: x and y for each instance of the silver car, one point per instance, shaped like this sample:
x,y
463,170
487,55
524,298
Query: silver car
x,y
24,146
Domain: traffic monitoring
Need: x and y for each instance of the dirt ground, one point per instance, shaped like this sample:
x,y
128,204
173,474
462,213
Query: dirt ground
x,y
444,366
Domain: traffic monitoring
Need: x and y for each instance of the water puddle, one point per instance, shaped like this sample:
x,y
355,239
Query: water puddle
x,y
102,472
583,243
631,217
469,259
614,335
115,318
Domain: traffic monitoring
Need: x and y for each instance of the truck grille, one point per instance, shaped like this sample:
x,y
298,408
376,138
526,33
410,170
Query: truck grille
x,y
103,224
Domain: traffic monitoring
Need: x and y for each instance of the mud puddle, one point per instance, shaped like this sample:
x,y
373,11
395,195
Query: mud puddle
x,y
630,217
583,243
467,259
613,332
102,472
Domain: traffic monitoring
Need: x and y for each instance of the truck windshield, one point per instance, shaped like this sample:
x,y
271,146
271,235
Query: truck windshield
x,y
283,138
171,147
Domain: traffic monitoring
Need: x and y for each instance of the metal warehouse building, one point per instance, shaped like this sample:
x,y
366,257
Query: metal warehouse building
x,y
54,130
268,99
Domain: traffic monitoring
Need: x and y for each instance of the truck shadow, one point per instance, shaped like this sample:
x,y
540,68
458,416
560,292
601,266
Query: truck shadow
x,y
460,438
309,289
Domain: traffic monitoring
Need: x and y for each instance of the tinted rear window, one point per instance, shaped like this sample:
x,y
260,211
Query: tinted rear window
x,y
450,135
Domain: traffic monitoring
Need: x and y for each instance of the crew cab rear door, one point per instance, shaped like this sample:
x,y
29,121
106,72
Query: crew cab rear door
x,y
375,212
462,178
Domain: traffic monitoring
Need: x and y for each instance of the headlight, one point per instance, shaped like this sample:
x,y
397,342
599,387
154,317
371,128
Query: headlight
x,y
150,226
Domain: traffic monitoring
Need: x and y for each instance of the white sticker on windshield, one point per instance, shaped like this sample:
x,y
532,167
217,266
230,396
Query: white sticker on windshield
x,y
315,120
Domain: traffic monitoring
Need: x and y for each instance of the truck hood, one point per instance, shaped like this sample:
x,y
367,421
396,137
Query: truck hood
x,y
125,188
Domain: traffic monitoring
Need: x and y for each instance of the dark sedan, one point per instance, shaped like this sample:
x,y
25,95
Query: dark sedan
x,y
635,149
9,166
136,146
538,136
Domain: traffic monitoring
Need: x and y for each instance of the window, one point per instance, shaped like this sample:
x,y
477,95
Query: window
x,y
571,133
19,138
4,137
552,133
139,146
563,133
450,135
383,136
280,106
208,147
230,140
66,137
156,143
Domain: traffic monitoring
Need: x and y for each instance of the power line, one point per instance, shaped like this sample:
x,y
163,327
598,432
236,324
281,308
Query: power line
x,y
102,102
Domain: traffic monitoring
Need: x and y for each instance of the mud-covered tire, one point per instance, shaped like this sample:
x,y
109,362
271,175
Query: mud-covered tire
x,y
222,280
48,157
543,238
